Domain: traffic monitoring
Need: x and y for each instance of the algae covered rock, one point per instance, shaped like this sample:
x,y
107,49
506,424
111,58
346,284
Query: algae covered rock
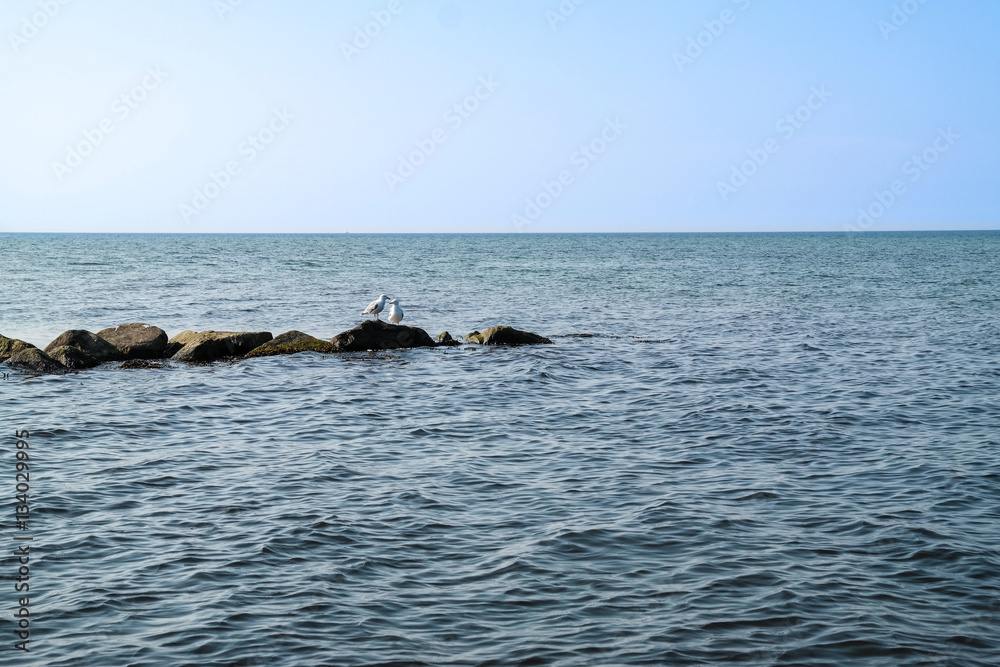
x,y
137,340
139,364
504,335
378,335
292,342
34,360
92,345
445,340
11,346
73,357
206,346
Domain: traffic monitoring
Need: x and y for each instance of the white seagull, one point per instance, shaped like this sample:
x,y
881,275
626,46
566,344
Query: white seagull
x,y
376,306
395,312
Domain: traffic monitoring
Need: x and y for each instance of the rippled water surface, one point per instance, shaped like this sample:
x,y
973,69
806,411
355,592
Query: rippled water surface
x,y
774,450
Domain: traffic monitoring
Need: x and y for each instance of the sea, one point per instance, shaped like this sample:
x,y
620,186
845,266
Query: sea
x,y
746,449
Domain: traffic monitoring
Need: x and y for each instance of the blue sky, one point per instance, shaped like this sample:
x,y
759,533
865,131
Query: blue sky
x,y
258,116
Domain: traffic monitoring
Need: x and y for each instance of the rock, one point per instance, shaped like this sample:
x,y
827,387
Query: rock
x,y
292,342
98,348
73,357
33,359
214,345
379,335
140,364
506,336
445,340
175,344
11,346
137,340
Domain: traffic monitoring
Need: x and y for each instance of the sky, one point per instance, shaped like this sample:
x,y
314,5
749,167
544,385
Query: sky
x,y
531,116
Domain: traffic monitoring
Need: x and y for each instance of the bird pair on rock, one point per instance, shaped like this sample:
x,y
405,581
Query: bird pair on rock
x,y
378,305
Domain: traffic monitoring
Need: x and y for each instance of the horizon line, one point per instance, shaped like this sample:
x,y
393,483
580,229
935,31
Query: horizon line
x,y
618,233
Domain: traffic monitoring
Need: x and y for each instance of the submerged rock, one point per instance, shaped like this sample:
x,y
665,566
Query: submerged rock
x,y
292,342
378,335
445,340
136,340
214,345
33,359
96,347
11,346
73,357
505,335
140,364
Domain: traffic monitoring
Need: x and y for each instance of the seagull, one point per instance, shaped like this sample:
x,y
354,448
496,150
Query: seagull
x,y
376,306
395,312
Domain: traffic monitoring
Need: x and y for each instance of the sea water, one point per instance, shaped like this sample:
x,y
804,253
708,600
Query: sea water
x,y
767,449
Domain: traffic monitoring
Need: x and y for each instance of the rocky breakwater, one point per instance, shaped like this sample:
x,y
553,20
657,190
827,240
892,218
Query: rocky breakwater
x,y
19,354
504,335
207,346
375,335
140,345
10,347
77,349
371,335
291,342
136,341
445,340
378,335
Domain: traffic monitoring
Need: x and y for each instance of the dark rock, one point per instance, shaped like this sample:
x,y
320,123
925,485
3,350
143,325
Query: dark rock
x,y
11,346
378,335
140,364
292,342
98,348
214,345
445,340
136,340
33,359
73,357
175,344
506,336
